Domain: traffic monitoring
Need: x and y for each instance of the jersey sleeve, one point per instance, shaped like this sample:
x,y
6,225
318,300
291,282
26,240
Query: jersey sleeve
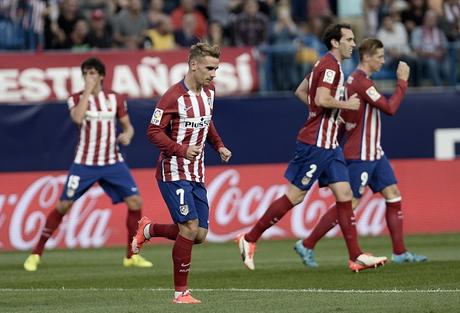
x,y
350,116
72,101
328,75
371,95
122,106
164,111
213,137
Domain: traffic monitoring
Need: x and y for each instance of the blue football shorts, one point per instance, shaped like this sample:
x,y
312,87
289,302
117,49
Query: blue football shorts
x,y
376,174
312,163
115,179
186,200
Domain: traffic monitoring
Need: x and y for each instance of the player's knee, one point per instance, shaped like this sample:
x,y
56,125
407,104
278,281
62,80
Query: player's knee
x,y
63,206
391,193
189,230
344,195
201,236
134,203
295,196
199,239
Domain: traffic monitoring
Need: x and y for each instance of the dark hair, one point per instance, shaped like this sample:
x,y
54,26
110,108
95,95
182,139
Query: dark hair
x,y
93,63
369,46
333,32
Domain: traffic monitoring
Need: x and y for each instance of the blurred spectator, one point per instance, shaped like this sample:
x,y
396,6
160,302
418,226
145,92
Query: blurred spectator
x,y
435,5
160,37
188,7
129,26
372,18
216,34
60,23
33,23
185,37
88,6
250,26
155,12
119,5
219,10
100,35
282,33
318,8
451,21
299,10
430,44
77,41
21,24
413,16
352,12
394,37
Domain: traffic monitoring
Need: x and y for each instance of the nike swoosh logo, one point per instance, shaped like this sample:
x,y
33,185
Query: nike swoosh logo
x,y
185,265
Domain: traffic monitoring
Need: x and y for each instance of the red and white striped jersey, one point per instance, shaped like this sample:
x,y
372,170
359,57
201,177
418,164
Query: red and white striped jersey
x,y
97,144
182,119
322,124
363,129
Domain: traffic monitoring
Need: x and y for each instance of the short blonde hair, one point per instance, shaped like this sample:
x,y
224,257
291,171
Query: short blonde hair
x,y
203,49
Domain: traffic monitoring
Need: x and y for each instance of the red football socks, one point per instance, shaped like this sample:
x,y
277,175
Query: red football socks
x,y
131,225
52,222
394,218
168,231
325,224
348,226
274,213
182,257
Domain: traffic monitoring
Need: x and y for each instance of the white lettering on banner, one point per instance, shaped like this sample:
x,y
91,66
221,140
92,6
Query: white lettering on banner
x,y
84,226
307,212
178,71
9,86
233,203
150,77
76,79
371,215
2,215
229,202
153,76
445,140
59,77
124,81
33,82
244,72
226,79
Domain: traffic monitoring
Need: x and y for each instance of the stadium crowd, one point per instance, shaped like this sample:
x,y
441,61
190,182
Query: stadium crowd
x,y
286,33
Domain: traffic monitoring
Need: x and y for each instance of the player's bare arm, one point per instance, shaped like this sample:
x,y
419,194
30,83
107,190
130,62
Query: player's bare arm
x,y
324,99
302,90
128,131
92,84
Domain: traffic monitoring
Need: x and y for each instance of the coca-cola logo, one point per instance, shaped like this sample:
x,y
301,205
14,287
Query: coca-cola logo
x,y
235,210
238,197
85,225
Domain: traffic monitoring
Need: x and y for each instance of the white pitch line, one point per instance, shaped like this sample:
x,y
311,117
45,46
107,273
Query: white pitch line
x,y
240,290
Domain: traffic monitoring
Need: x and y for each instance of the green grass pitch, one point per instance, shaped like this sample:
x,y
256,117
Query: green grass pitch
x,y
84,280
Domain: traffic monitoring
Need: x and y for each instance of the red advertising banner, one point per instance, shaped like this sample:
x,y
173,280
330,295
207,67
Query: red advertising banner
x,y
238,196
138,74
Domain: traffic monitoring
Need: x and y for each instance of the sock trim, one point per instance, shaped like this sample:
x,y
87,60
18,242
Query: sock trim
x,y
147,231
394,200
